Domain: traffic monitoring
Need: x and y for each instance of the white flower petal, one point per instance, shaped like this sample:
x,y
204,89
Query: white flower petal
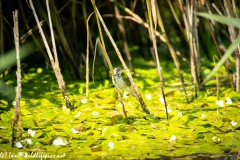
x,y
84,101
229,101
78,115
203,116
233,123
161,99
31,132
59,142
173,139
14,103
148,96
179,114
95,113
111,145
216,139
74,131
29,141
220,103
169,110
125,94
18,145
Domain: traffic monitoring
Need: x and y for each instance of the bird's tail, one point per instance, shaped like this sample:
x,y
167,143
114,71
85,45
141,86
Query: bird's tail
x,y
128,89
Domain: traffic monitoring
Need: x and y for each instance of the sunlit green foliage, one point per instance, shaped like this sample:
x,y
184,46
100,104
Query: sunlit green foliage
x,y
96,128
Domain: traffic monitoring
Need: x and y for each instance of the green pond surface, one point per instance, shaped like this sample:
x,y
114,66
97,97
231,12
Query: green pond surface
x,y
97,128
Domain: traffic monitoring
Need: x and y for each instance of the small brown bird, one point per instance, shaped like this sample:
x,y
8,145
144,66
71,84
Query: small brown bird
x,y
120,82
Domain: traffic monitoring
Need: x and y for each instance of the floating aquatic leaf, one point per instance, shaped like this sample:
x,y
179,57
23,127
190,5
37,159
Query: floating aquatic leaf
x,y
116,118
80,128
5,117
110,131
234,95
96,148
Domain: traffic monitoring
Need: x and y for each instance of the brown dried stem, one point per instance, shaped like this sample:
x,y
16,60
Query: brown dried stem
x,y
17,123
54,61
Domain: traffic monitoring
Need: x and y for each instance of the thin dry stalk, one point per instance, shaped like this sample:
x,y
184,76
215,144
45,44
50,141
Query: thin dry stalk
x,y
100,46
139,20
191,44
237,53
1,35
61,34
175,16
54,62
217,79
87,58
30,32
124,111
172,52
17,122
156,53
143,105
84,7
123,32
217,40
232,34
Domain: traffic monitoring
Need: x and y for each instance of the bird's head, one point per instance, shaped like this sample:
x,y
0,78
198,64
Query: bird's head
x,y
117,72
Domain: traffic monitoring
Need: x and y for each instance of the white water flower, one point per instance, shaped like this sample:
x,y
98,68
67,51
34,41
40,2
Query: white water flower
x,y
148,96
173,139
111,145
95,113
179,114
161,99
84,101
169,110
125,94
203,116
216,139
29,141
74,131
78,115
14,103
233,123
219,103
18,145
59,142
229,101
31,132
